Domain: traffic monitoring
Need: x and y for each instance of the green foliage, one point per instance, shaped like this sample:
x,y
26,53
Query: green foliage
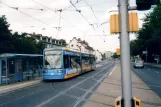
x,y
17,43
115,55
5,36
150,35
103,56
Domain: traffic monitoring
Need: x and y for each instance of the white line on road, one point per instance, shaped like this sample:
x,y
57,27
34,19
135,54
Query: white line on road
x,y
83,96
112,71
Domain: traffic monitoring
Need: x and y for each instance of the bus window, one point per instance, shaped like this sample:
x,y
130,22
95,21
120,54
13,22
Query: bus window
x,y
75,62
66,61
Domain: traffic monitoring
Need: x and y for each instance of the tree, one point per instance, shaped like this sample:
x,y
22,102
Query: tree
x,y
149,37
17,43
103,56
5,36
115,55
63,42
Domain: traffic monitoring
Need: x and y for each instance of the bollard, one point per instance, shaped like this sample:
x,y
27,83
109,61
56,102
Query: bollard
x,y
119,102
137,102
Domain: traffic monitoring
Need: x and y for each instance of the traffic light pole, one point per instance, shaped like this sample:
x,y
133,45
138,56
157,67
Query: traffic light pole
x,y
125,54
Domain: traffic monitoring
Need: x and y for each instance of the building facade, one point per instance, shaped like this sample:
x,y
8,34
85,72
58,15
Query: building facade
x,y
79,45
98,56
108,54
48,41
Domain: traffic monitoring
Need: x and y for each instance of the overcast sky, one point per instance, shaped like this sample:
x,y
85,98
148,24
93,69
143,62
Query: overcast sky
x,y
72,23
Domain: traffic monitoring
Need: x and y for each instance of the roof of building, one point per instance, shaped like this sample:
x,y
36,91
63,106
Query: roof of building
x,y
86,45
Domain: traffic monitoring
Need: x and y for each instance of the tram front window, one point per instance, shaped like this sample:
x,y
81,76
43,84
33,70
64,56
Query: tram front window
x,y
53,59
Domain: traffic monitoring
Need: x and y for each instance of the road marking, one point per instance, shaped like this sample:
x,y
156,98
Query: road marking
x,y
112,71
47,101
89,90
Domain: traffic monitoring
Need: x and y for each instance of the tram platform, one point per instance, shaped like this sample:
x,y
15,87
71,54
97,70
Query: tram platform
x,y
110,89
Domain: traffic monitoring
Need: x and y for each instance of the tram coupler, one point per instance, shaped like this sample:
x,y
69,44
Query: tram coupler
x,y
119,102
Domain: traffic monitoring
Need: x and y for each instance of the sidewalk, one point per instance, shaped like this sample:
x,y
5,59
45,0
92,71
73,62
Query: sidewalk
x,y
110,89
19,85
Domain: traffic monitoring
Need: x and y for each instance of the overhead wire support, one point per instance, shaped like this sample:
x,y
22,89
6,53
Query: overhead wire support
x,y
71,5
53,11
92,11
59,28
79,12
95,16
24,13
58,14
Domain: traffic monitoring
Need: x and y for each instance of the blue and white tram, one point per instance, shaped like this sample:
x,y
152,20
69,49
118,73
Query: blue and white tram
x,y
64,63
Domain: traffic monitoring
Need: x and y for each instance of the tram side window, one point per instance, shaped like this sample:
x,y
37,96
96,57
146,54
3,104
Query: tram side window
x,y
75,62
92,60
66,61
85,61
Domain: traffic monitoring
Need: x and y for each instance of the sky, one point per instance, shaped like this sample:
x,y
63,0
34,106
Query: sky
x,y
31,18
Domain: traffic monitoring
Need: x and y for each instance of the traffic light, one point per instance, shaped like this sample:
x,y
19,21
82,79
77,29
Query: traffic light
x,y
146,4
133,23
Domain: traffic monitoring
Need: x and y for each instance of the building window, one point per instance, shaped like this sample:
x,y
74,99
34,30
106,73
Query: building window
x,y
71,45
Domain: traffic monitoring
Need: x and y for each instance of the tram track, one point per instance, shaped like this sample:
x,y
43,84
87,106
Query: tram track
x,y
75,85
59,93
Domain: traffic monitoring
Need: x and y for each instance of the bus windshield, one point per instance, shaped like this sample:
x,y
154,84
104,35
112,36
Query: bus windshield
x,y
53,59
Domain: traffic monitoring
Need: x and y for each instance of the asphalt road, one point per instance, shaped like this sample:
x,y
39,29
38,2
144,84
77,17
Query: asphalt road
x,y
151,77
69,93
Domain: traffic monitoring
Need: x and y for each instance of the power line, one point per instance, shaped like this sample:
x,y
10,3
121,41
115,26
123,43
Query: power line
x,y
59,23
71,5
79,12
92,11
82,14
94,16
24,13
58,14
51,10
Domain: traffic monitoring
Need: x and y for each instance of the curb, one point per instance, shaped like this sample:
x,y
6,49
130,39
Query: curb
x,y
157,66
19,87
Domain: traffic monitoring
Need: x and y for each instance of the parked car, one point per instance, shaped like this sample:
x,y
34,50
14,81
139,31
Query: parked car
x,y
138,64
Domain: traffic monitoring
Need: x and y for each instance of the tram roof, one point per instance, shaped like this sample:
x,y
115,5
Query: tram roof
x,y
11,55
65,48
